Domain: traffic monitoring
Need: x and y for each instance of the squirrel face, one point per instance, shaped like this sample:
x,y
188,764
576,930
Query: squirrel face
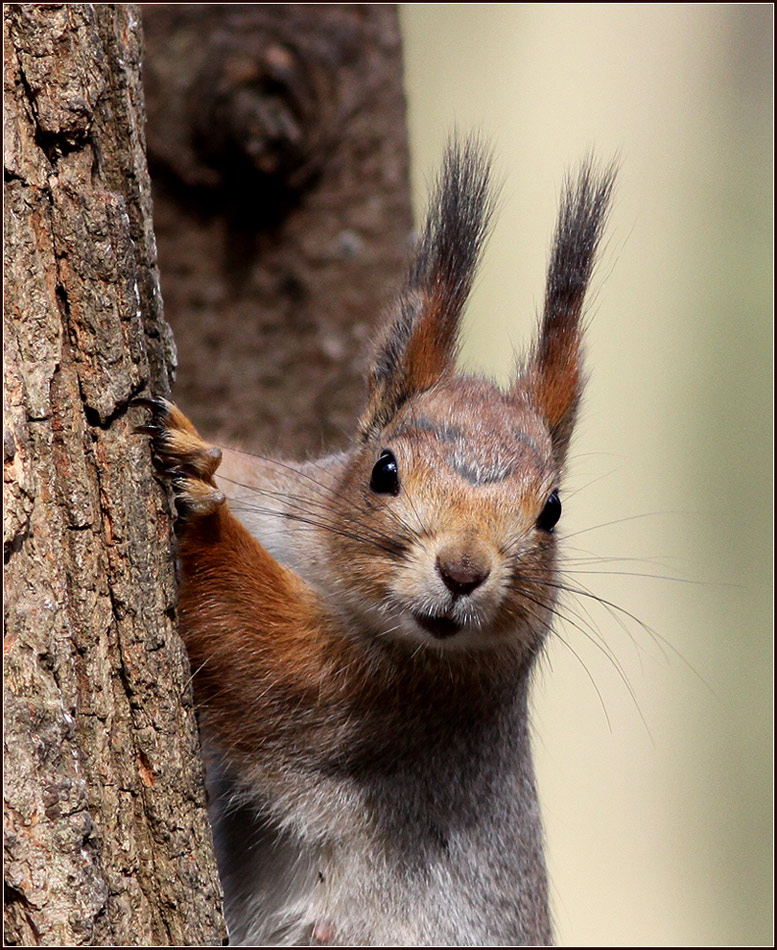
x,y
447,506
444,512
458,480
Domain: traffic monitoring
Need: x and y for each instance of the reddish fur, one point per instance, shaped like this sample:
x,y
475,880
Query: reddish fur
x,y
430,351
255,632
429,354
555,385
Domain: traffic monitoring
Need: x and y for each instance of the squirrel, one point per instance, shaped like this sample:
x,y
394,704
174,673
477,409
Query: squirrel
x,y
362,628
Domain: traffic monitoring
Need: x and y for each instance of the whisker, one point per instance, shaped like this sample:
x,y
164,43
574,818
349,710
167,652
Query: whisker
x,y
571,492
590,677
608,524
603,649
390,550
655,577
388,540
297,471
304,502
614,610
548,626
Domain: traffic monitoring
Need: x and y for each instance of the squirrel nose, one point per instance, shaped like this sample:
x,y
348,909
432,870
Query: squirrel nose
x,y
462,572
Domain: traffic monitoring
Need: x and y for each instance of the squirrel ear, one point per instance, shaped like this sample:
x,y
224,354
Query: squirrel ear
x,y
553,375
421,344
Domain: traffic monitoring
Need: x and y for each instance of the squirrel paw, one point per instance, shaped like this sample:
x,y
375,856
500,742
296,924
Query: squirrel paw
x,y
181,456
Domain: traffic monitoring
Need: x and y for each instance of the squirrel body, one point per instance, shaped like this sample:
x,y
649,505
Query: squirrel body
x,y
363,628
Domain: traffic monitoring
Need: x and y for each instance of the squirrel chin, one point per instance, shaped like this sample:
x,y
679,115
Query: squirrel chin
x,y
416,628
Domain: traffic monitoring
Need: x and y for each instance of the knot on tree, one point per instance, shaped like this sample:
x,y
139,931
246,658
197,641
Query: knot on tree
x,y
251,103
271,115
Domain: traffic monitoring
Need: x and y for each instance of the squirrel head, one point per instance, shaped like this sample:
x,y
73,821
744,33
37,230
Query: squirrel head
x,y
456,481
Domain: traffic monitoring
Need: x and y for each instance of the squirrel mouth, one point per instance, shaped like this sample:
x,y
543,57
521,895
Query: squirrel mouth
x,y
439,627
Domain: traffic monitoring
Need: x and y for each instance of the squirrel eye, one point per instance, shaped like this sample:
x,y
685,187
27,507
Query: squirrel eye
x,y
385,477
550,513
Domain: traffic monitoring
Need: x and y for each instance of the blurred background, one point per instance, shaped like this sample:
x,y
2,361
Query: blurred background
x,y
653,719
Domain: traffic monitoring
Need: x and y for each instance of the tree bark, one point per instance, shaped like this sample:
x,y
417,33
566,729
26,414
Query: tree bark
x,y
279,162
107,841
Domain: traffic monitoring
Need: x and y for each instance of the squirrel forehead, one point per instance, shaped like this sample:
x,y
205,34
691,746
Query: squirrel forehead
x,y
480,434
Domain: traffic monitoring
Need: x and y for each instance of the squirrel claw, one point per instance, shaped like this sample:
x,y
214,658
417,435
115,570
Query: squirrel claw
x,y
181,457
148,430
157,404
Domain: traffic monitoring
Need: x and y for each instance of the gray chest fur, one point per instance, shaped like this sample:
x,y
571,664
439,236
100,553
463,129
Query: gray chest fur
x,y
443,849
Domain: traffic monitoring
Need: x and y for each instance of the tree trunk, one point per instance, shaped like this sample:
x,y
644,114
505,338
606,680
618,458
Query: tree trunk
x,y
107,841
279,162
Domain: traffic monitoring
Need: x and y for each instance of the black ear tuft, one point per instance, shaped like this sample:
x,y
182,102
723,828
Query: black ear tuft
x,y
554,376
421,344
585,204
457,222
